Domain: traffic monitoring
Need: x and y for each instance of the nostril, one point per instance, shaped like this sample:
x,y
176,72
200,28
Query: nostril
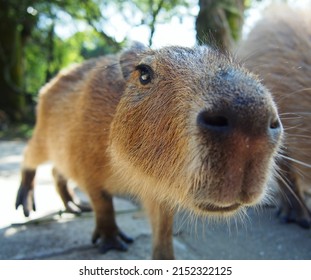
x,y
275,124
212,121
275,128
216,121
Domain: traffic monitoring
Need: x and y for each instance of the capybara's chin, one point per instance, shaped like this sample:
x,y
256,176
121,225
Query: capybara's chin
x,y
226,185
223,203
224,195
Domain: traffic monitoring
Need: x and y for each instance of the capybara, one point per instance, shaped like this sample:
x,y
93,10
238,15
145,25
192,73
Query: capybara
x,y
278,49
177,128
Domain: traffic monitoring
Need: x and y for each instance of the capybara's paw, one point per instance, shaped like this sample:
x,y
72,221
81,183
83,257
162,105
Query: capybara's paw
x,y
76,208
125,238
25,197
116,242
304,223
291,216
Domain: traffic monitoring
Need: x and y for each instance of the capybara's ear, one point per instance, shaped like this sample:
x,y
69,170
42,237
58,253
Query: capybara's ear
x,y
130,58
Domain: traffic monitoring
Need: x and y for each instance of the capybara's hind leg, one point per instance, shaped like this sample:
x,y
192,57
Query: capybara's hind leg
x,y
67,196
293,208
25,195
34,155
106,230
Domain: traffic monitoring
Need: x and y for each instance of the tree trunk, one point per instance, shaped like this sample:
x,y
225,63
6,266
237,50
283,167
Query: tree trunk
x,y
15,27
219,23
12,98
50,52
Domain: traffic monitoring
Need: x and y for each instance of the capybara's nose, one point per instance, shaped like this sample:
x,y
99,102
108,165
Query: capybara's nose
x,y
213,122
227,121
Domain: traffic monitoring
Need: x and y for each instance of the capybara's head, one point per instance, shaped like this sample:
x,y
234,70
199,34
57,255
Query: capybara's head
x,y
194,129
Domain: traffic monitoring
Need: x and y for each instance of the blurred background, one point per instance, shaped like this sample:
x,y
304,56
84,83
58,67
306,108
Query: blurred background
x,y
40,37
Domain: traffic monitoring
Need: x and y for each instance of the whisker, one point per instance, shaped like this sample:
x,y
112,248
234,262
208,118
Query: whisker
x,y
298,136
296,161
182,221
288,113
292,118
287,185
303,113
290,94
300,90
292,127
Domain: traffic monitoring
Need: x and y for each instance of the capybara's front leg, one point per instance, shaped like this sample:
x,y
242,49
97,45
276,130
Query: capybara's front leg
x,y
25,195
106,230
162,230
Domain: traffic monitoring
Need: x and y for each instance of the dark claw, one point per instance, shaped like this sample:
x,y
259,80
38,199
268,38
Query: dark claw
x,y
25,194
112,244
125,238
291,217
304,223
84,207
284,216
72,208
76,208
95,237
286,220
25,197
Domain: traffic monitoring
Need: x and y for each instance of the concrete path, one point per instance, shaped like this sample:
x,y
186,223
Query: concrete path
x,y
49,235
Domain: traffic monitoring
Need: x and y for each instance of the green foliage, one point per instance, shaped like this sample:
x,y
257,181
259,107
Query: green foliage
x,y
45,56
31,52
39,51
17,131
35,69
234,15
151,12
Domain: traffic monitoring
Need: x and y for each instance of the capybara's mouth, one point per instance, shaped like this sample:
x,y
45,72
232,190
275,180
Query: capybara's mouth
x,y
218,209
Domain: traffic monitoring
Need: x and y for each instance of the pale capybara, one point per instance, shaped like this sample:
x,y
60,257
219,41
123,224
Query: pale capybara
x,y
177,128
278,49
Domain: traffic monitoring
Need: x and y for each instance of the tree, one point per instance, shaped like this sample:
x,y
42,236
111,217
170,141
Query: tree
x,y
19,28
134,13
220,22
31,52
15,27
156,11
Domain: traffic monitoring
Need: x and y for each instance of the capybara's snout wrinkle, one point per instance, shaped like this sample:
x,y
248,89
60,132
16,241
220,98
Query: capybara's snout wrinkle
x,y
175,127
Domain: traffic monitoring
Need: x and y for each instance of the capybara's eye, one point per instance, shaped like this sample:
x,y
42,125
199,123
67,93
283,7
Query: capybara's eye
x,y
145,74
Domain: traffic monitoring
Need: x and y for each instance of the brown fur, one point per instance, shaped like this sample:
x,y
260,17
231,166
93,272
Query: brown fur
x,y
279,50
201,134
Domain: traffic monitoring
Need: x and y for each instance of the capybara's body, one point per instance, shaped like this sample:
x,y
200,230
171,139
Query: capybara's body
x,y
278,49
176,128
